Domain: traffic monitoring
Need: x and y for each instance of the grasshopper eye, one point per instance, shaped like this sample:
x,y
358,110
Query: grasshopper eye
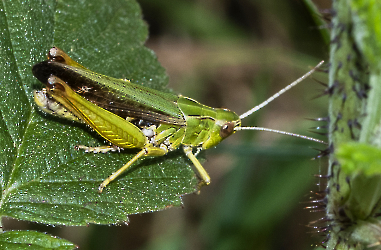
x,y
227,129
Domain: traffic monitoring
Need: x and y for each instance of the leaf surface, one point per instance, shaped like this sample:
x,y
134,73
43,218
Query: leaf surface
x,y
33,240
44,179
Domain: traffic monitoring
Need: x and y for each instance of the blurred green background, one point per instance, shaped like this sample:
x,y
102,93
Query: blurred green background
x,y
235,54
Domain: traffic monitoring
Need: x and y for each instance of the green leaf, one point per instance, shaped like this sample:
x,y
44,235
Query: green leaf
x,y
367,29
44,179
32,240
354,186
362,164
356,158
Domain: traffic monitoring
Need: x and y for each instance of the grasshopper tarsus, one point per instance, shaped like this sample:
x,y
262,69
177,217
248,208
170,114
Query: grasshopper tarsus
x,y
101,187
99,149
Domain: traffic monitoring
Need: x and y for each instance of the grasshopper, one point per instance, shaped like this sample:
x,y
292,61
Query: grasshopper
x,y
133,116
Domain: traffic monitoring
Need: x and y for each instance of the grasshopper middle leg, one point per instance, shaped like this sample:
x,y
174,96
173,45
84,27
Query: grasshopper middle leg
x,y
149,150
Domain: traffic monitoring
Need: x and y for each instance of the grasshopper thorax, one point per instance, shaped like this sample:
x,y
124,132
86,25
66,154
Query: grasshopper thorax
x,y
206,127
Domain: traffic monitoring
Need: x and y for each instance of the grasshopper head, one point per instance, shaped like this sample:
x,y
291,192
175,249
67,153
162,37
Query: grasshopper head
x,y
225,123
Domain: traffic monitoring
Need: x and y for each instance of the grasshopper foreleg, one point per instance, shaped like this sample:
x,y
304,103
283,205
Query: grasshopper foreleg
x,y
201,170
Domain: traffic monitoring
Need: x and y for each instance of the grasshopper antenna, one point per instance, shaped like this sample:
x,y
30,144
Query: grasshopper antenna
x,y
281,132
246,114
272,98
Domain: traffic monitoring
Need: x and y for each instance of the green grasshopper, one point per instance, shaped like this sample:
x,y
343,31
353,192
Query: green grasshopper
x,y
133,116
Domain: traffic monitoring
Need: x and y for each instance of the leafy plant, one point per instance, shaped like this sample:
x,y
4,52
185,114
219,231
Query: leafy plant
x,y
354,187
44,179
